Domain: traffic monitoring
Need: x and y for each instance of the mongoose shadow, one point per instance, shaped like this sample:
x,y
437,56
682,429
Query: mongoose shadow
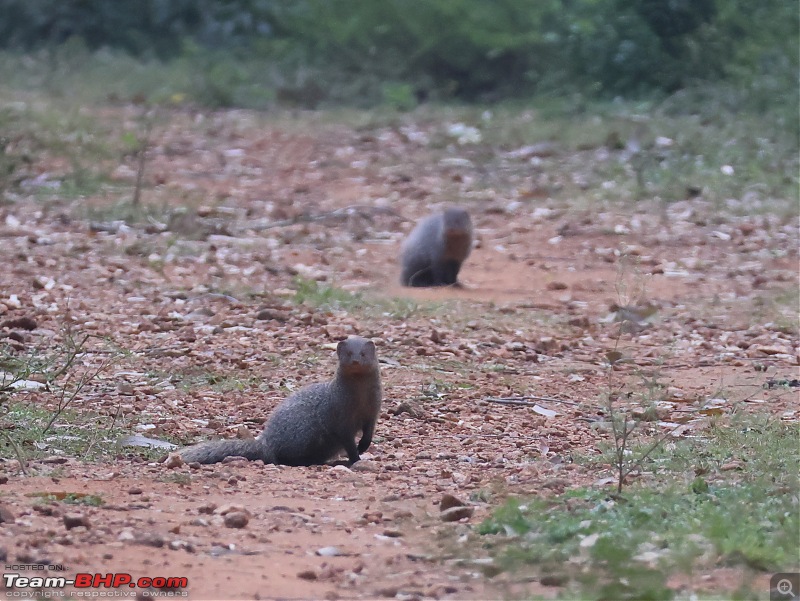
x,y
316,423
435,249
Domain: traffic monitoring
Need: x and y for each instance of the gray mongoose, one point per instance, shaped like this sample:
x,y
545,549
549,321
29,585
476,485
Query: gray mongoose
x,y
435,249
314,424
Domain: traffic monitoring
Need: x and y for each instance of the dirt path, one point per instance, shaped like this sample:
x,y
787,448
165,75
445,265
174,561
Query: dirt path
x,y
213,338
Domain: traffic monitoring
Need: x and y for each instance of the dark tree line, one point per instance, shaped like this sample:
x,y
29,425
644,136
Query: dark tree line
x,y
459,48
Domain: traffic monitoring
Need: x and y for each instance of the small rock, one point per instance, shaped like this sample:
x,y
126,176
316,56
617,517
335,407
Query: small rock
x,y
244,433
406,407
557,286
387,591
6,517
328,552
769,350
149,539
392,533
271,314
556,483
230,508
135,491
176,545
49,510
236,519
307,575
456,513
207,509
448,501
73,520
365,465
22,323
173,460
553,580
55,460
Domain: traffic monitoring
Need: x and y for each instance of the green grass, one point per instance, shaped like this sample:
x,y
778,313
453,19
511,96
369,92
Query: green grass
x,y
79,148
81,434
323,296
69,498
603,546
778,306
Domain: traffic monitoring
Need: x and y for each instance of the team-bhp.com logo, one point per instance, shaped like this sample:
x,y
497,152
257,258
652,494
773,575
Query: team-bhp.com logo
x,y
91,585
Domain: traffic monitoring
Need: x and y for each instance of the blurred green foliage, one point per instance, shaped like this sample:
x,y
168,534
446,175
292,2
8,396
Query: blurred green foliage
x,y
464,49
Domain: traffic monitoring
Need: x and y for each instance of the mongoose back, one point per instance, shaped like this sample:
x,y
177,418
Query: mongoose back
x,y
314,424
435,249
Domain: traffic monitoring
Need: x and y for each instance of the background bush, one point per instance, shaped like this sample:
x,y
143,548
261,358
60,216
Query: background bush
x,y
363,51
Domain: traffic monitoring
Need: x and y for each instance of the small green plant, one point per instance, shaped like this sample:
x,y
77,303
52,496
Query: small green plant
x,y
176,478
400,96
311,292
56,372
70,498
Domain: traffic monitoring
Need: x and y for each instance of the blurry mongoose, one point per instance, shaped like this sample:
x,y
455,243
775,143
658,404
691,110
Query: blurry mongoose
x,y
435,249
314,424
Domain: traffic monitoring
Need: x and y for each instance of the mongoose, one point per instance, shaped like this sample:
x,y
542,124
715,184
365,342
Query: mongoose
x,y
435,249
314,424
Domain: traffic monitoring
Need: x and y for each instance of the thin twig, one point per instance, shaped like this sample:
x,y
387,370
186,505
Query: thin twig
x,y
73,353
62,404
523,400
144,144
642,458
335,214
18,453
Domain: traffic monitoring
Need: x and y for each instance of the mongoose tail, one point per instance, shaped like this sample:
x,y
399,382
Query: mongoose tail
x,y
217,450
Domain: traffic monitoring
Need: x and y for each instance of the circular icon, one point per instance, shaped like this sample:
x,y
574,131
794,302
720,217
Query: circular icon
x,y
785,587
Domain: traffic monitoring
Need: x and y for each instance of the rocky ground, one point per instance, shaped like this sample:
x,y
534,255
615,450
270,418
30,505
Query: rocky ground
x,y
275,239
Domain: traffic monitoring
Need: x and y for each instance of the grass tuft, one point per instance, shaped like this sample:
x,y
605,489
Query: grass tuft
x,y
628,546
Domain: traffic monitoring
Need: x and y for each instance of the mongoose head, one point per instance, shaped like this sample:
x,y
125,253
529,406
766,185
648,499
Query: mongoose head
x,y
456,221
357,356
457,233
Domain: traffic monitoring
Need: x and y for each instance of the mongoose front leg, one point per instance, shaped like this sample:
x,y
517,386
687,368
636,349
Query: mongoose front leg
x,y
446,273
352,451
366,437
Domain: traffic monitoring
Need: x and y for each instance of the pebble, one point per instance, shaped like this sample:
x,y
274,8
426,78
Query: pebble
x,y
307,575
456,513
73,520
448,501
173,460
5,515
236,519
